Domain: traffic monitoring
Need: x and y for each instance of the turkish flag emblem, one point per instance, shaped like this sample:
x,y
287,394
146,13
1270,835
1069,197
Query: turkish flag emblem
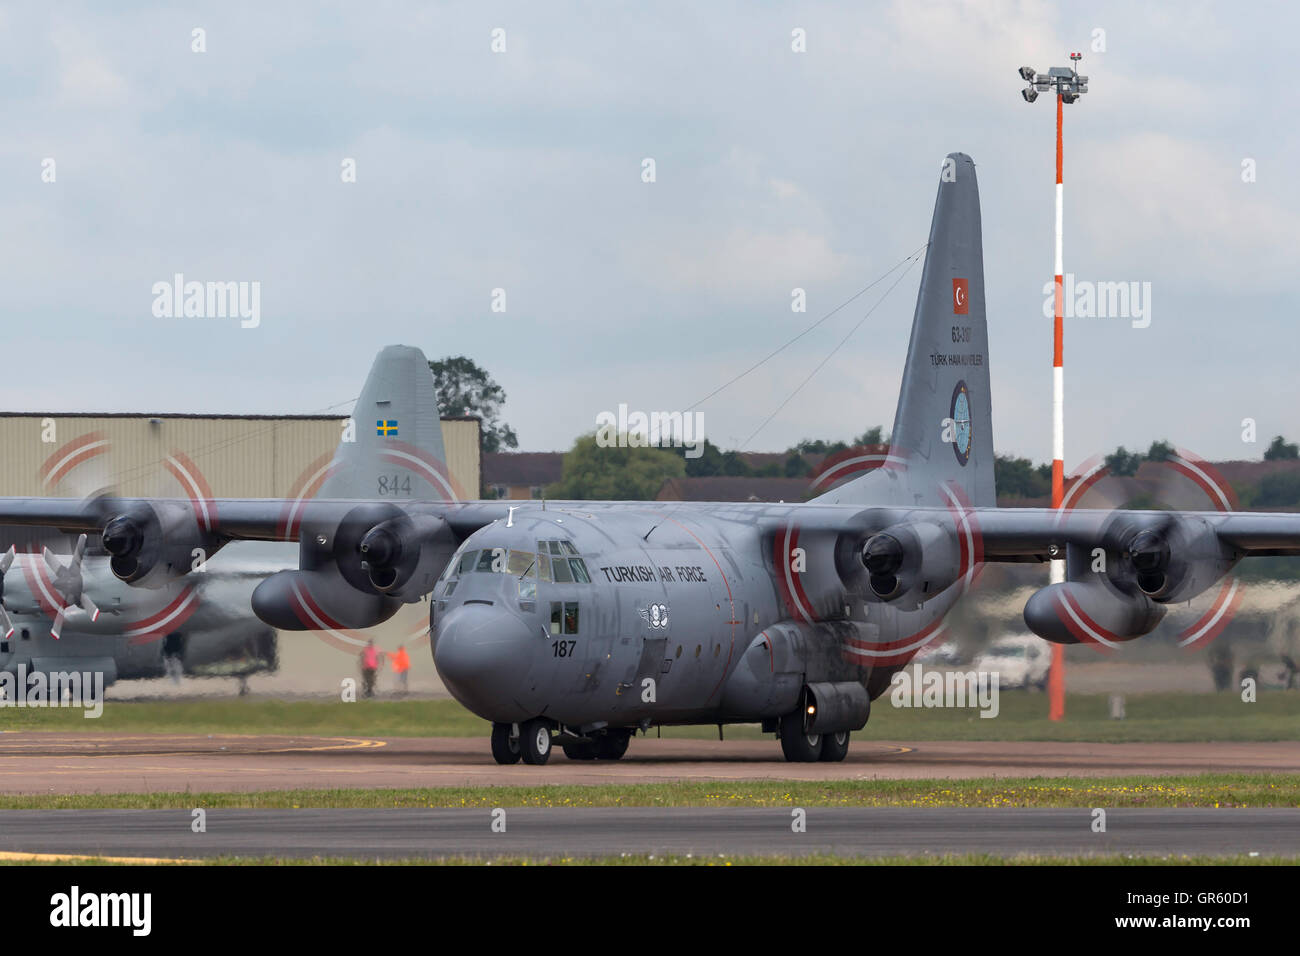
x,y
960,297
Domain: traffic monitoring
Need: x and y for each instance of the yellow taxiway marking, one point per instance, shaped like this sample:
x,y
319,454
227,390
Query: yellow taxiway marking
x,y
348,743
20,857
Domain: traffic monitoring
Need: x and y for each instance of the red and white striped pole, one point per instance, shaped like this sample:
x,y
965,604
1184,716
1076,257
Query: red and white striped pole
x,y
1056,677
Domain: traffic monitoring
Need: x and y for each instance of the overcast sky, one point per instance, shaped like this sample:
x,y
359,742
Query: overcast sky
x,y
522,171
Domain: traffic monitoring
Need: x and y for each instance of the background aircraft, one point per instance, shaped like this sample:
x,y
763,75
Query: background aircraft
x,y
63,612
594,620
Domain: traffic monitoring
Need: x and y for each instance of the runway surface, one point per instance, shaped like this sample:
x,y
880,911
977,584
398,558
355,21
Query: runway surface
x,y
702,832
42,762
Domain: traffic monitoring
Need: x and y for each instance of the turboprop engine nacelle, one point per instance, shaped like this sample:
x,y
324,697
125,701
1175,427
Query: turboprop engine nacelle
x,y
907,564
152,543
1077,611
1169,559
318,600
358,572
404,556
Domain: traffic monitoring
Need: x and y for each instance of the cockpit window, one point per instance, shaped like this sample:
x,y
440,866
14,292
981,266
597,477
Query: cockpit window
x,y
520,561
555,564
467,562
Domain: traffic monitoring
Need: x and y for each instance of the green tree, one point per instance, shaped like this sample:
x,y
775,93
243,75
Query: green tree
x,y
1123,462
875,435
1160,451
464,389
1278,490
1018,478
1281,450
818,447
594,473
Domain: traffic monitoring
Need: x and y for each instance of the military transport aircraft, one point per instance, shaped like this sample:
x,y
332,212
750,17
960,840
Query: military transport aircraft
x,y
589,621
72,613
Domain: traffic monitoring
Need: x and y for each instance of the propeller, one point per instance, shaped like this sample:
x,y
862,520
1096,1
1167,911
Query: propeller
x,y
5,562
71,586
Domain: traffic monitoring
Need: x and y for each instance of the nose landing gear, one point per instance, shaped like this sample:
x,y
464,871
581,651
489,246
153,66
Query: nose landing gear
x,y
505,745
535,741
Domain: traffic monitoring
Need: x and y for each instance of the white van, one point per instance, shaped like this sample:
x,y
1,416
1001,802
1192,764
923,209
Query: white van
x,y
1020,660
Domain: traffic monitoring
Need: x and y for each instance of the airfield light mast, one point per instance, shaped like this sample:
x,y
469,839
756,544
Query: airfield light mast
x,y
1069,86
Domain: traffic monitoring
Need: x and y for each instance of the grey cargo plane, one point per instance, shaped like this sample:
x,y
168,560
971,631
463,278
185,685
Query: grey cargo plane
x,y
591,621
73,613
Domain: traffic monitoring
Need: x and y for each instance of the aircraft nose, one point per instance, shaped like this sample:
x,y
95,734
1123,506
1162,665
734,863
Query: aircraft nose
x,y
483,655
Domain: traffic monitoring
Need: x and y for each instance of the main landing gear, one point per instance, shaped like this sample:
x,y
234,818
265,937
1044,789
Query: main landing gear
x,y
800,746
532,743
611,745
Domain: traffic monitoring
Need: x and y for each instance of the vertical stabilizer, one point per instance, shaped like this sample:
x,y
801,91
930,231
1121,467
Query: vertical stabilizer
x,y
943,428
396,450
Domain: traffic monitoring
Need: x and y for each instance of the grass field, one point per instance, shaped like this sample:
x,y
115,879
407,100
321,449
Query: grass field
x,y
1200,790
1023,716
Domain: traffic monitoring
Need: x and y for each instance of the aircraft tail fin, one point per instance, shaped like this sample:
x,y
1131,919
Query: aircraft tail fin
x,y
943,429
394,449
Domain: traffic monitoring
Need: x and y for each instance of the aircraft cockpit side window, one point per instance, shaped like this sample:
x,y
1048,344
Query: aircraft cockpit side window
x,y
527,577
467,561
557,613
570,617
558,560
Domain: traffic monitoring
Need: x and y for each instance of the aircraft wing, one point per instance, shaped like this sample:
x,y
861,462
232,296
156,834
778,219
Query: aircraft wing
x,y
1123,568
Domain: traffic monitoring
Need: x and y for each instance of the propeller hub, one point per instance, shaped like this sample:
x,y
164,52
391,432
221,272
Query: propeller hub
x,y
882,556
1149,552
381,548
121,537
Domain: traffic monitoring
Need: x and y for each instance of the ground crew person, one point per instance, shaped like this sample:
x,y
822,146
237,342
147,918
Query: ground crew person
x,y
401,667
369,667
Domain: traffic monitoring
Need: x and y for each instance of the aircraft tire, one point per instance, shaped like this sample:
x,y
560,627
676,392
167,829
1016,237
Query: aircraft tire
x,y
835,747
578,749
613,745
535,742
505,749
798,745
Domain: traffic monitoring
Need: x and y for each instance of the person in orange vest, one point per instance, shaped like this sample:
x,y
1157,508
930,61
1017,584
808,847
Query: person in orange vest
x,y
369,667
401,666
